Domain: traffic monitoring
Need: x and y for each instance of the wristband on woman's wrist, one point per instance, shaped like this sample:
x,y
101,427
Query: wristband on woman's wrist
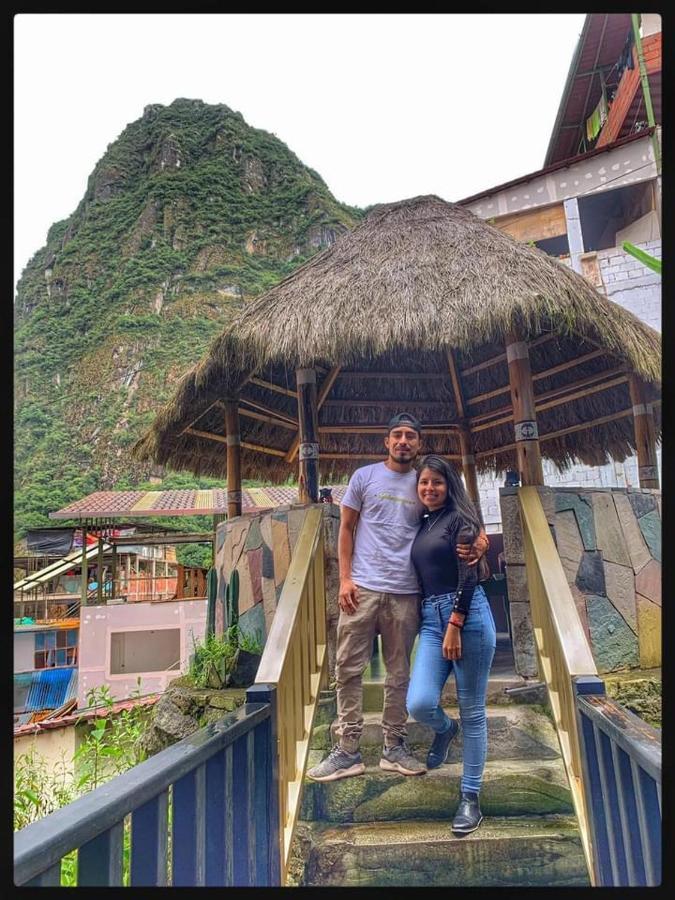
x,y
456,620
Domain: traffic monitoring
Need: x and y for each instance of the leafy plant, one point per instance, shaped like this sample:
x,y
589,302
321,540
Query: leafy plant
x,y
213,659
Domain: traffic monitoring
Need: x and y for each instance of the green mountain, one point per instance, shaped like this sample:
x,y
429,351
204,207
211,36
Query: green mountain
x,y
189,214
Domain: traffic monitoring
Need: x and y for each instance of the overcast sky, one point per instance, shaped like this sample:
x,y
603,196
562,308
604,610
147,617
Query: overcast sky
x,y
383,107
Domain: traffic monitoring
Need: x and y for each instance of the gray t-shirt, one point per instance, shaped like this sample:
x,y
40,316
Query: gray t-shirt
x,y
389,518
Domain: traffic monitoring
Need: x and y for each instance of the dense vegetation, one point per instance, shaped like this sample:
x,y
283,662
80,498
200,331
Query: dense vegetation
x,y
189,214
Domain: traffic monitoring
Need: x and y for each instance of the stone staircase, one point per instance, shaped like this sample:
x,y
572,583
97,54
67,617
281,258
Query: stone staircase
x,y
388,829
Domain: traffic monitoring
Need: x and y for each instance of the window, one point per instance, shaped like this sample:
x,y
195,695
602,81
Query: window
x,y
55,648
152,650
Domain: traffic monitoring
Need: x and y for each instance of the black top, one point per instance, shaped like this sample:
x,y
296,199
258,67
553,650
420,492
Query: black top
x,y
437,565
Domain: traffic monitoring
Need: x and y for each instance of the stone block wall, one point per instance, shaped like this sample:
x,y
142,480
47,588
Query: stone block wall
x,y
259,547
609,542
631,284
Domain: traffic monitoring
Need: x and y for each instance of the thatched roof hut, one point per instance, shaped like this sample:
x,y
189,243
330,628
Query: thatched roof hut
x,y
383,315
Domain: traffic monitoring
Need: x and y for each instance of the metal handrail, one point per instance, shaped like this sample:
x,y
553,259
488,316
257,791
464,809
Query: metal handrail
x,y
294,661
562,649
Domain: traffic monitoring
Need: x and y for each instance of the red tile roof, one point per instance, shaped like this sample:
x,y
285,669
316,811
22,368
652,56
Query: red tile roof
x,y
117,504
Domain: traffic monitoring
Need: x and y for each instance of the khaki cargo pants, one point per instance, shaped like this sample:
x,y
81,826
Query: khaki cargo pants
x,y
396,617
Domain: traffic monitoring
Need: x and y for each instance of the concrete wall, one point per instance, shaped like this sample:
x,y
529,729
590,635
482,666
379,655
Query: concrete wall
x,y
98,623
609,542
24,651
54,744
629,164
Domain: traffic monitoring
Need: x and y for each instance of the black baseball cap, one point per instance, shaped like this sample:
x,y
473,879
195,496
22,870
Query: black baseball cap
x,y
404,419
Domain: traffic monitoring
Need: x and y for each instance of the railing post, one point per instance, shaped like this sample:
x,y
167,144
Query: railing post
x,y
585,685
269,835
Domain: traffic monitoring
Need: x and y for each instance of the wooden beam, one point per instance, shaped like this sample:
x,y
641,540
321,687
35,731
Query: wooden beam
x,y
270,412
308,450
534,225
562,431
562,394
328,383
270,420
271,451
465,438
202,413
382,429
270,386
453,456
248,446
376,401
645,442
524,413
502,356
409,376
233,441
537,376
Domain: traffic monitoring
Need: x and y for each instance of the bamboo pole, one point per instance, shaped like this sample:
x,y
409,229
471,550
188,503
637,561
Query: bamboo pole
x,y
524,415
643,422
83,574
465,439
99,568
308,450
233,458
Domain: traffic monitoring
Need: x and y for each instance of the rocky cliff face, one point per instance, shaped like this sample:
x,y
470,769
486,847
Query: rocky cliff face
x,y
189,214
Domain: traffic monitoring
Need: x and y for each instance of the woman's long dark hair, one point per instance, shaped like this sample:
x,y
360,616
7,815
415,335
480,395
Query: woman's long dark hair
x,y
457,496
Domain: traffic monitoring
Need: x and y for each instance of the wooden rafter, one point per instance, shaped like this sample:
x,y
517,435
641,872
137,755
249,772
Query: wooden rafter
x,y
270,420
551,435
223,440
537,376
270,386
552,398
501,357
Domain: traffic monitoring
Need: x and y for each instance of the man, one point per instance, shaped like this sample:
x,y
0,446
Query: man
x,y
379,593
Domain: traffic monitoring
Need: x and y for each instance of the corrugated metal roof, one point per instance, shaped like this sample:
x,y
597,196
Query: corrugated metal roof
x,y
111,504
50,688
23,725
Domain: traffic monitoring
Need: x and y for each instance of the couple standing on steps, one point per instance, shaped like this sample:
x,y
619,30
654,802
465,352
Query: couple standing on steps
x,y
402,530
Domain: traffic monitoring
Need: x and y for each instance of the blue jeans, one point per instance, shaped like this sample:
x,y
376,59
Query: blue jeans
x,y
431,671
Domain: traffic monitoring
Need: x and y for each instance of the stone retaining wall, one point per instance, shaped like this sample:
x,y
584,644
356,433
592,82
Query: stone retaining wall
x,y
609,541
259,546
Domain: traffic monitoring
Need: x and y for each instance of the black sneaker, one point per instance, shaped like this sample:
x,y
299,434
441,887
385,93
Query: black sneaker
x,y
468,816
438,752
338,764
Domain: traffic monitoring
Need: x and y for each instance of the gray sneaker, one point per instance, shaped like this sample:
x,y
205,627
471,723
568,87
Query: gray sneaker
x,y
400,759
338,764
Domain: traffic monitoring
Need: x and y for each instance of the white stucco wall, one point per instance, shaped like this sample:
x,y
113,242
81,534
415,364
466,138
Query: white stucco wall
x,y
97,625
24,651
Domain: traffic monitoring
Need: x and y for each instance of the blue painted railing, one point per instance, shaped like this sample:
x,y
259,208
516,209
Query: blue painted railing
x,y
219,788
621,761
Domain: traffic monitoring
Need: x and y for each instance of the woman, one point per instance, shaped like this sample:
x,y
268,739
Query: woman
x,y
457,632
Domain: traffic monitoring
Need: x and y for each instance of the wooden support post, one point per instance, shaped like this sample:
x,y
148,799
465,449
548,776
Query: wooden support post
x,y
113,575
99,569
84,581
233,458
465,440
524,415
643,421
308,415
469,467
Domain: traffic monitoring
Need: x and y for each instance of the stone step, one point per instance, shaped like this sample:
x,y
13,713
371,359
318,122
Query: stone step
x,y
373,692
510,788
514,732
540,850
